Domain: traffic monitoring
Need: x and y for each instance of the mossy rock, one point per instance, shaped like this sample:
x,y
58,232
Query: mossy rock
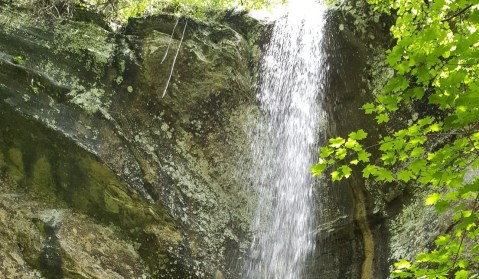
x,y
84,131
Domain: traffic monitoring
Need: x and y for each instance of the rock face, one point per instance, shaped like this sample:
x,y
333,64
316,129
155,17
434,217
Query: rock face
x,y
346,237
101,177
365,227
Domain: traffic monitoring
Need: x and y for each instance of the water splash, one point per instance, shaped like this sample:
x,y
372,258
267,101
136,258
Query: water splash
x,y
291,78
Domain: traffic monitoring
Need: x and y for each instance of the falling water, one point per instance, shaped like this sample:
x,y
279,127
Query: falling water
x,y
290,87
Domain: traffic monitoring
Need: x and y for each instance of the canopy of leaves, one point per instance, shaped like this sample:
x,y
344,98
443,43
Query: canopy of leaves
x,y
435,59
121,10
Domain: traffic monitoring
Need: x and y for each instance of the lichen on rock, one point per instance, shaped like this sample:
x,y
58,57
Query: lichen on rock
x,y
115,181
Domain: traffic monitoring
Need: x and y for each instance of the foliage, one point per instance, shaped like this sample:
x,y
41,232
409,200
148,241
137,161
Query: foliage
x,y
435,60
121,10
49,8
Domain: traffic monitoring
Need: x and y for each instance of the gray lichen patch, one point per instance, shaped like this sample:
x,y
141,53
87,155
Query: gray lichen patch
x,y
87,42
412,230
91,100
89,133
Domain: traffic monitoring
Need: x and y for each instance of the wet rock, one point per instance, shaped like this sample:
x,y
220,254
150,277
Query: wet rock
x,y
44,241
113,180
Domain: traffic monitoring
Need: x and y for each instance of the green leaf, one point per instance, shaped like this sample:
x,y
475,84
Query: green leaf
x,y
326,152
369,108
442,206
442,240
405,175
425,121
418,93
363,156
433,198
387,144
336,142
462,274
345,171
18,60
417,152
475,136
335,176
389,158
318,169
341,153
417,166
474,17
369,170
470,188
382,118
351,144
358,135
423,257
452,196
402,264
385,175
436,127
463,263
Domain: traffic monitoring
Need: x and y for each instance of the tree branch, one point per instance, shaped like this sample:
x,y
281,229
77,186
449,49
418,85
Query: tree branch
x,y
458,13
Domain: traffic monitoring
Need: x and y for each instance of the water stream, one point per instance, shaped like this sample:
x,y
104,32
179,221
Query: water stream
x,y
285,138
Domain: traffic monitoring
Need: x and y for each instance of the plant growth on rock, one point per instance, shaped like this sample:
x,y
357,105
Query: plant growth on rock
x,y
435,85
121,10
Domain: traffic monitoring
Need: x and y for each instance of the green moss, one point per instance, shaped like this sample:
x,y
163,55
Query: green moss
x,y
105,196
42,180
16,169
67,175
111,203
86,42
16,157
186,137
31,247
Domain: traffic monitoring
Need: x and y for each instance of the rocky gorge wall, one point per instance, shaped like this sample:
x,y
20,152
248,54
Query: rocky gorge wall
x,y
350,243
102,177
364,224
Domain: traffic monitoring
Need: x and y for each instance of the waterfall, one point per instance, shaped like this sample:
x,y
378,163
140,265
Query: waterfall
x,y
284,144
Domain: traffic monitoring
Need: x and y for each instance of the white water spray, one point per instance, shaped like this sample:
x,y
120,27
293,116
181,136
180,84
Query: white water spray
x,y
291,79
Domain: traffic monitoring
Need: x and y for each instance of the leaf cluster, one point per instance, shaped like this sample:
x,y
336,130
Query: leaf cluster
x,y
122,10
435,59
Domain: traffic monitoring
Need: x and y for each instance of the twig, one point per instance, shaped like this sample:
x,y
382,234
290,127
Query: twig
x,y
88,4
171,39
174,59
458,13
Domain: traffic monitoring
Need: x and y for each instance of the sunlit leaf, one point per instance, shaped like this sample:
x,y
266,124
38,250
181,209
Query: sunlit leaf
x,y
462,274
402,264
405,175
318,168
382,118
433,198
336,142
359,135
442,240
